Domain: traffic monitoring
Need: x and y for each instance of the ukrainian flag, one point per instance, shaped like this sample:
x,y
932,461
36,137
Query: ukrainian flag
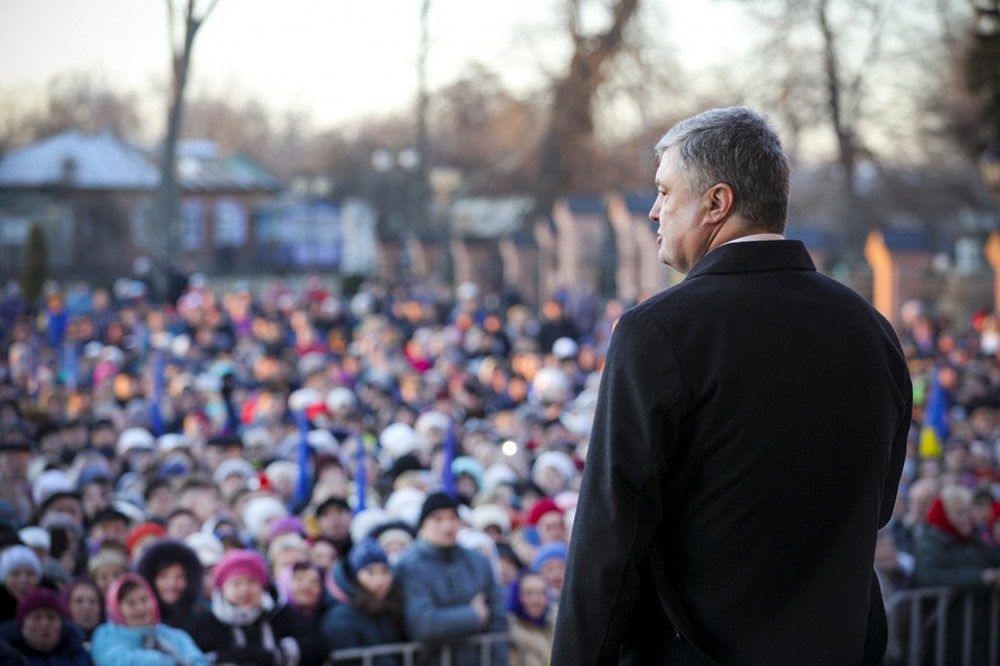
x,y
935,428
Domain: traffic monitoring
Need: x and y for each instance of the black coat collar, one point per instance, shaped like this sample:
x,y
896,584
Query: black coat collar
x,y
753,256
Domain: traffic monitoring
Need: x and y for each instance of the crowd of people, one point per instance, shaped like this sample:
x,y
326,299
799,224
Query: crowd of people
x,y
265,478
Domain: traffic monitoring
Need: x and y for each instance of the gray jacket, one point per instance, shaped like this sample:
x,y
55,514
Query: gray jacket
x,y
438,584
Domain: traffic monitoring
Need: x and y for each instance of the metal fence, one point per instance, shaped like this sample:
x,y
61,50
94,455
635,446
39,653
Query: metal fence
x,y
943,626
417,654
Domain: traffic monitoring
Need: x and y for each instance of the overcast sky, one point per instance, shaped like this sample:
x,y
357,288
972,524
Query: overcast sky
x,y
335,59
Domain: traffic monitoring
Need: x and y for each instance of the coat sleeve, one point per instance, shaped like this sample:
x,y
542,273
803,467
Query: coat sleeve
x,y
425,621
639,405
107,649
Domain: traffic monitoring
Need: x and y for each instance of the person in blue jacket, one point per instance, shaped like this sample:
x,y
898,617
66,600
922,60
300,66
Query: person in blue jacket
x,y
134,635
368,608
451,593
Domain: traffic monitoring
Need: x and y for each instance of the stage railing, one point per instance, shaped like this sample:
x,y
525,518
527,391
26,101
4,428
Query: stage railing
x,y
942,626
416,654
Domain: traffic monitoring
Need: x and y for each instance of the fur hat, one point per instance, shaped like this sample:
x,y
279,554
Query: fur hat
x,y
38,598
240,561
436,502
163,554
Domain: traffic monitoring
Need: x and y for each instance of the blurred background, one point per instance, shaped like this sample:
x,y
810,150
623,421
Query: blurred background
x,y
504,144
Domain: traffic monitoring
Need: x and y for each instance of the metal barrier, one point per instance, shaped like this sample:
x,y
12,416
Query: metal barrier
x,y
943,626
414,654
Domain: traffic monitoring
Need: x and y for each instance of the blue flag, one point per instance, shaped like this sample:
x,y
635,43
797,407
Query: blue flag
x,y
360,479
447,478
155,416
302,489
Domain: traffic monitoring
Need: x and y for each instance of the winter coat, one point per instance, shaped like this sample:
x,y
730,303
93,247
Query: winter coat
x,y
532,644
156,645
942,558
345,626
69,651
748,441
945,558
292,636
438,584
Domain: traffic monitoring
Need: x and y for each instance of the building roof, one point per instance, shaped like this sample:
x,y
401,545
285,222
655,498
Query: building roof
x,y
81,161
104,162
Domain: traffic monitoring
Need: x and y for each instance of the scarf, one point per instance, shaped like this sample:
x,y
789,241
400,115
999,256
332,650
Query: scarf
x,y
238,618
939,519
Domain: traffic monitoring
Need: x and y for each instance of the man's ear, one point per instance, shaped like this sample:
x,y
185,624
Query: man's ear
x,y
720,202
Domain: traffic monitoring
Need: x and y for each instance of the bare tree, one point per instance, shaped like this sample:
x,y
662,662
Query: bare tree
x,y
851,75
570,131
78,100
183,24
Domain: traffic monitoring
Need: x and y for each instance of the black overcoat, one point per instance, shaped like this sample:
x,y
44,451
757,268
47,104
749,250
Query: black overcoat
x,y
751,426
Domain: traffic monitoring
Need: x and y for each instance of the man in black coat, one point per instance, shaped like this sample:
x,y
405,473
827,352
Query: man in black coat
x,y
748,440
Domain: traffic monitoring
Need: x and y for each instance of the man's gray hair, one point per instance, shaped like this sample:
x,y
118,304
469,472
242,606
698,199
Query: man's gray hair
x,y
739,147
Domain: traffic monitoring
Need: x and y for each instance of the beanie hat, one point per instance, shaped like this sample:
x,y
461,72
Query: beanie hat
x,y
35,537
549,551
140,532
285,525
366,552
18,557
470,466
557,460
207,547
38,598
240,561
113,605
405,504
485,515
436,502
542,507
258,511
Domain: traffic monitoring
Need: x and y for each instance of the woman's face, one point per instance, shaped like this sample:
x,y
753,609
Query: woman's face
x,y
306,588
104,574
21,580
533,595
242,591
137,608
85,607
42,629
377,579
170,583
323,554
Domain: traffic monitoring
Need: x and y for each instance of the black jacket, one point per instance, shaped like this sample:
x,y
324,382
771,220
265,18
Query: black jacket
x,y
751,425
214,636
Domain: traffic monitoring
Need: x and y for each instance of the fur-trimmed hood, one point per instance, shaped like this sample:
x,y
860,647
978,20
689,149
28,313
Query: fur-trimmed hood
x,y
159,556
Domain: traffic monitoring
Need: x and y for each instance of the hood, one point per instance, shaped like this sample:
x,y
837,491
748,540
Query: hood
x,y
163,554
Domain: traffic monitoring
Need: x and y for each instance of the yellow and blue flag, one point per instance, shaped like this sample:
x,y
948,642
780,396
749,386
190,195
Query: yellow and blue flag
x,y
935,428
